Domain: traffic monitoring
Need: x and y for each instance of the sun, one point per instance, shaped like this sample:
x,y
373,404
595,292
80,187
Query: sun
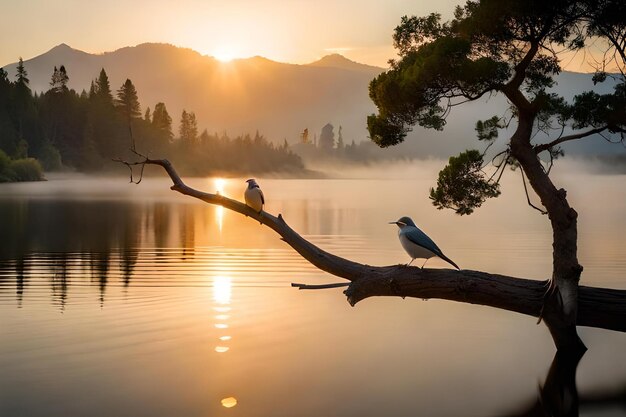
x,y
224,54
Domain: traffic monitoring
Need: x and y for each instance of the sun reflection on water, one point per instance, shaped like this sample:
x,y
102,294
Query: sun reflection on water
x,y
219,210
229,402
222,289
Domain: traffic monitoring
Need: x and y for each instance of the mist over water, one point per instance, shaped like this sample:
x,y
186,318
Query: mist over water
x,y
126,300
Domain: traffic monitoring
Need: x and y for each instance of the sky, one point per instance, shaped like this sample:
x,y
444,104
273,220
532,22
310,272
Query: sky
x,y
295,31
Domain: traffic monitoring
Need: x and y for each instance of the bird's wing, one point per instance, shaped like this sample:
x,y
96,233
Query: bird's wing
x,y
420,238
262,197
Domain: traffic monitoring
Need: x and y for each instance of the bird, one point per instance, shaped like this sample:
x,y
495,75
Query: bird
x,y
254,196
417,244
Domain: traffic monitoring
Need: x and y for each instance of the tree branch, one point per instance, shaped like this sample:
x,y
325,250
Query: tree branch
x,y
546,146
599,307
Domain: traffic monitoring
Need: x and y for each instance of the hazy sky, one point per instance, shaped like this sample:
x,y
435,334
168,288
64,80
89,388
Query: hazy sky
x,y
296,31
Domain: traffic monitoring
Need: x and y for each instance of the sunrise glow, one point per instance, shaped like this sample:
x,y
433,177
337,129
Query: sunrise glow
x,y
224,54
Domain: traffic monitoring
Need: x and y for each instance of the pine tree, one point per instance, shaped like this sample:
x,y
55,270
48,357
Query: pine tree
x,y
59,80
193,127
22,74
162,121
54,81
103,88
147,116
327,137
92,90
340,143
127,101
183,130
188,127
63,77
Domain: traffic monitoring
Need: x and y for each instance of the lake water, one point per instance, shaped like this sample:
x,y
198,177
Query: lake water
x,y
131,300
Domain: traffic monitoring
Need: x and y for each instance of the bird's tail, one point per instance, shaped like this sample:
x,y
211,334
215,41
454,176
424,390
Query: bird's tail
x,y
448,260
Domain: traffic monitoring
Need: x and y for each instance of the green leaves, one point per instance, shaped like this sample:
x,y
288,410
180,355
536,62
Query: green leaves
x,y
487,130
414,31
462,185
383,132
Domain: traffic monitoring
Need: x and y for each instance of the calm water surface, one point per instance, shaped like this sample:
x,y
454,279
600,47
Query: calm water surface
x,y
124,300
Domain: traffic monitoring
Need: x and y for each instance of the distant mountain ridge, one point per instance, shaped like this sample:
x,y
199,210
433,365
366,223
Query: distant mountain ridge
x,y
240,96
278,99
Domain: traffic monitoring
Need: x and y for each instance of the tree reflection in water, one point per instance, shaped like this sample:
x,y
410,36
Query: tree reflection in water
x,y
558,396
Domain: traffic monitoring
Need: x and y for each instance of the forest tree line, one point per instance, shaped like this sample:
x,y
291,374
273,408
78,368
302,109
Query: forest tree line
x,y
61,129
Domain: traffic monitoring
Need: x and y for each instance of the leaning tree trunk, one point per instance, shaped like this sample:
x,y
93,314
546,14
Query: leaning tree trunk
x,y
561,302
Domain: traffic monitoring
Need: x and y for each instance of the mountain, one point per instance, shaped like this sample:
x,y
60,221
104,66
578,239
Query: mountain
x,y
241,96
278,99
341,62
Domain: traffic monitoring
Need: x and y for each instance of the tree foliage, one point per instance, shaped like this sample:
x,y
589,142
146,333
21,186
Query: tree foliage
x,y
510,47
461,185
188,129
59,79
127,101
162,121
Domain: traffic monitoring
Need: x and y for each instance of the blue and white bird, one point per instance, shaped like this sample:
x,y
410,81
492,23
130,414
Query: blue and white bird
x,y
254,196
417,244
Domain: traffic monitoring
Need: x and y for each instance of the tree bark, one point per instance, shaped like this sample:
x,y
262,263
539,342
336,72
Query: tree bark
x,y
561,303
598,307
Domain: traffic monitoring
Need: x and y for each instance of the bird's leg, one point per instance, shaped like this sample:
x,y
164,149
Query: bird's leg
x,y
424,263
409,264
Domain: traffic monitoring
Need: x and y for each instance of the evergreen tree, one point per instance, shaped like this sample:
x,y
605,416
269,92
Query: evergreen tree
x,y
22,74
147,116
106,132
127,101
183,129
59,80
9,136
188,127
340,143
92,89
193,127
162,121
63,77
24,113
327,137
103,88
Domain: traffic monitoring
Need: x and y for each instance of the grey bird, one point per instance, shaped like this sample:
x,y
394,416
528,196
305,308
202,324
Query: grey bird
x,y
417,244
254,196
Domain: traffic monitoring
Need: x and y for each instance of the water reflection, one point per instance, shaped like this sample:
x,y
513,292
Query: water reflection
x,y
229,402
558,396
219,183
222,288
222,291
150,289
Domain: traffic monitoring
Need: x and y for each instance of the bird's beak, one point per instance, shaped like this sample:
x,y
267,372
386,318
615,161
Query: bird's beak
x,y
393,223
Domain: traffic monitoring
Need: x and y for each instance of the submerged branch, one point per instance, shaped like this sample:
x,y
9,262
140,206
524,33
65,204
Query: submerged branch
x,y
598,307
